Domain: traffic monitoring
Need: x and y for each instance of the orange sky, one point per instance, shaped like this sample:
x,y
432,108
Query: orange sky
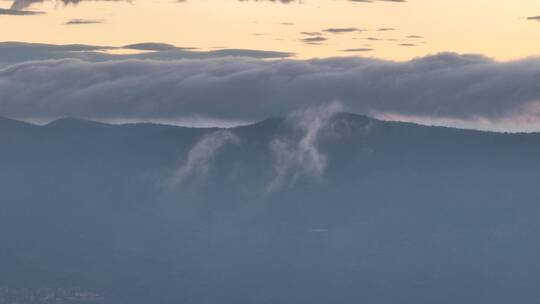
x,y
499,29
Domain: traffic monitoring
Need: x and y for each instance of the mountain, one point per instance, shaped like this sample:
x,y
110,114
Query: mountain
x,y
337,208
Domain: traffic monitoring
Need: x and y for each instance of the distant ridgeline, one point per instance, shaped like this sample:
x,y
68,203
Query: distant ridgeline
x,y
313,208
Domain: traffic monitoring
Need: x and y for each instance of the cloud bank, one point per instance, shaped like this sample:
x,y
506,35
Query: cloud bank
x,y
445,86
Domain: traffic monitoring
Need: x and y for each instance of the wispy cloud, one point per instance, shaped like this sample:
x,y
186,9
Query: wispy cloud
x,y
14,52
297,154
201,156
341,30
155,46
311,33
84,21
372,1
358,50
22,4
314,40
277,1
17,12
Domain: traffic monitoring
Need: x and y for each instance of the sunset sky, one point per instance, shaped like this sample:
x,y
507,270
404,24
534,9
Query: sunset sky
x,y
384,29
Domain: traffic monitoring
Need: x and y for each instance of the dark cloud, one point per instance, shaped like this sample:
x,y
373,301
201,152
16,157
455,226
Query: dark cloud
x,y
154,46
22,4
75,2
16,12
448,85
340,30
84,21
534,18
358,50
386,29
276,1
311,33
415,37
372,1
314,40
372,39
14,52
407,44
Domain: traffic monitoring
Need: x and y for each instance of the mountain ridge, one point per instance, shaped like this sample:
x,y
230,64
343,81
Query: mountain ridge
x,y
303,209
267,121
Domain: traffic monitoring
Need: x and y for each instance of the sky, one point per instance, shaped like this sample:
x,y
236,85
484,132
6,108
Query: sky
x,y
471,64
397,30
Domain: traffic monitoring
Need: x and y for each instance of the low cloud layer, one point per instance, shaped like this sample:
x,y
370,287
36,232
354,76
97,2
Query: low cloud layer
x,y
442,87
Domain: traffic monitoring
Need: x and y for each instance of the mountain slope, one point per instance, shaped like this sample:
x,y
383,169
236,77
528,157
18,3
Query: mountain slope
x,y
304,209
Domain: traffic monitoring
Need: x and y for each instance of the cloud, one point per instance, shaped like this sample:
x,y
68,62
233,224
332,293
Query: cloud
x,y
415,37
154,46
443,86
311,33
386,29
15,52
84,21
313,40
534,18
22,4
372,1
407,44
358,50
277,1
201,156
341,30
16,12
297,155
